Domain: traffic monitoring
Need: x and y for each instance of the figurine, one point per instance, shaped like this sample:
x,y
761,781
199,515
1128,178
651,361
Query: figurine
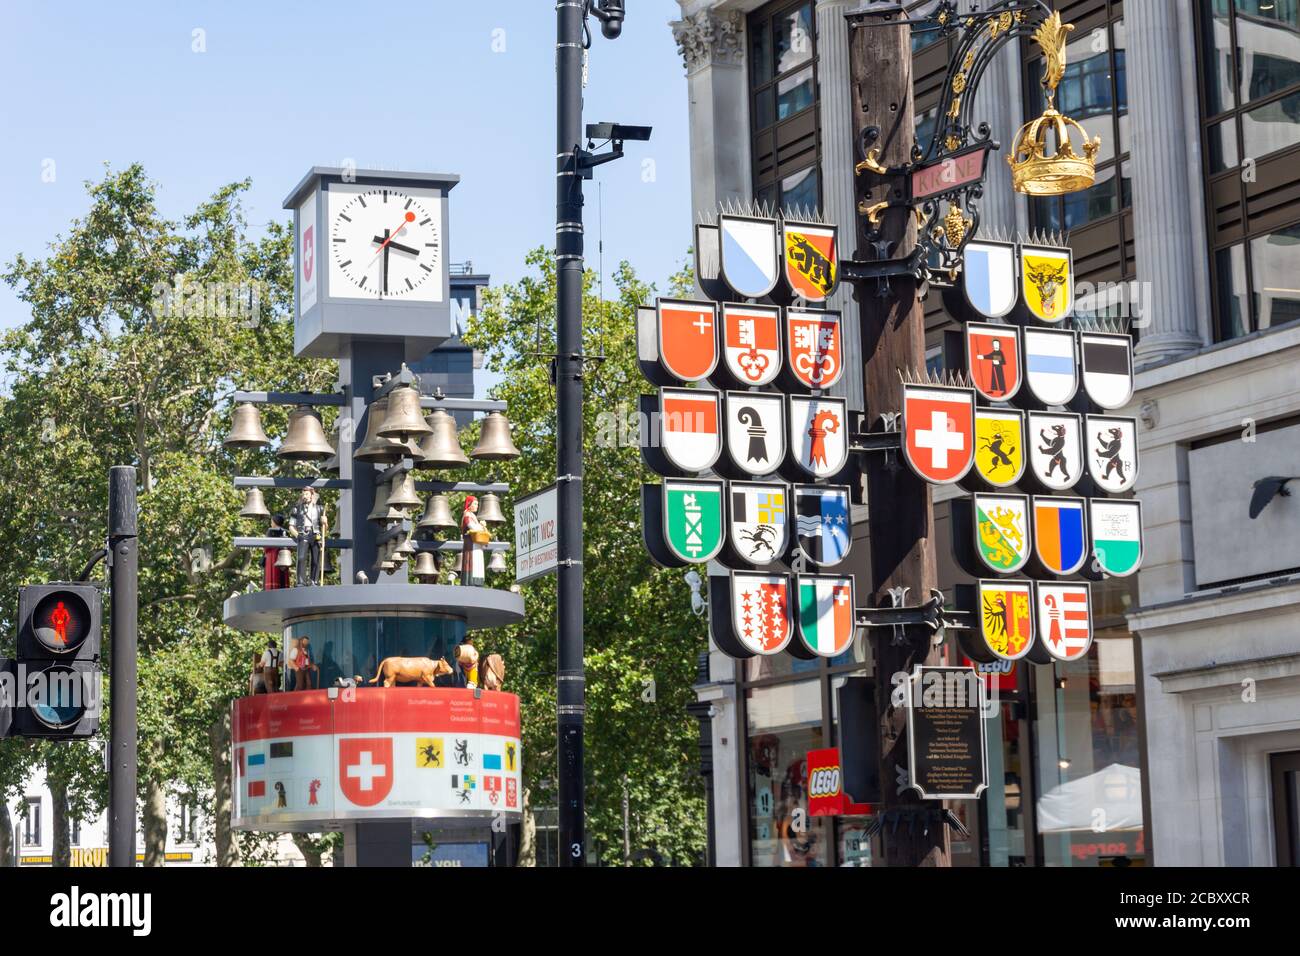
x,y
467,659
308,525
274,577
423,670
304,668
494,672
269,666
474,538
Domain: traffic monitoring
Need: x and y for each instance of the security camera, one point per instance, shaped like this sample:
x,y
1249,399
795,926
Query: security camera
x,y
610,13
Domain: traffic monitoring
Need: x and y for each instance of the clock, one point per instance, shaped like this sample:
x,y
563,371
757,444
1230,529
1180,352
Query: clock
x,y
385,243
370,261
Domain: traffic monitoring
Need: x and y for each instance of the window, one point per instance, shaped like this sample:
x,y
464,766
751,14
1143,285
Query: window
x,y
783,106
1250,112
187,822
32,822
1093,92
74,832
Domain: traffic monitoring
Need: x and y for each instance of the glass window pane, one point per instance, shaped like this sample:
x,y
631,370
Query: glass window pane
x,y
1272,126
1268,43
1120,39
1096,202
799,191
766,197
1216,56
1222,139
764,110
1045,212
1230,270
924,124
794,93
778,665
784,723
1126,185
794,38
1273,263
760,51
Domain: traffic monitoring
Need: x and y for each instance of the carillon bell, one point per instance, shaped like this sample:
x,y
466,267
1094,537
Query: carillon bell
x,y
246,428
305,440
494,441
489,509
441,446
284,559
437,514
254,505
375,448
497,562
381,513
426,567
386,562
405,548
331,465
404,419
402,492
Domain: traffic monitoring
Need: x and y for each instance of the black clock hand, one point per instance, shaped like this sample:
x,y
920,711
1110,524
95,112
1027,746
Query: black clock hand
x,y
398,245
384,250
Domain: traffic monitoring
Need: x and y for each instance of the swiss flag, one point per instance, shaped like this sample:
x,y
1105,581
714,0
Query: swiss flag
x,y
308,253
366,769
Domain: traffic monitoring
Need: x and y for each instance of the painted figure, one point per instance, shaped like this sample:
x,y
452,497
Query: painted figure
x,y
1110,451
274,578
473,538
997,378
308,525
1055,446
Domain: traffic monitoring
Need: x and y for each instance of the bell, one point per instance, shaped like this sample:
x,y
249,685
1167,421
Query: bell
x,y
331,465
386,562
305,440
494,441
375,448
497,562
246,428
381,513
441,447
426,567
402,494
437,514
489,509
284,559
404,419
405,548
254,505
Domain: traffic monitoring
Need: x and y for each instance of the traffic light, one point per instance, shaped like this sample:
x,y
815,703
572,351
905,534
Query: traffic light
x,y
57,682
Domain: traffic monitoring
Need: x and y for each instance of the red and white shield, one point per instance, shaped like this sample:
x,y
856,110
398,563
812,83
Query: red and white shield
x,y
939,431
366,769
688,338
308,253
993,359
1064,614
760,611
816,349
751,339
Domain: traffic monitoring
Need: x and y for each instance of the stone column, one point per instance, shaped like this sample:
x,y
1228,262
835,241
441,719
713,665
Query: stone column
x,y
838,159
1170,251
712,45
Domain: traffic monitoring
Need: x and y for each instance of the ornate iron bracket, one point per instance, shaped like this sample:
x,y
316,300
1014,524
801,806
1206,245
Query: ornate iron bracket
x,y
912,817
931,615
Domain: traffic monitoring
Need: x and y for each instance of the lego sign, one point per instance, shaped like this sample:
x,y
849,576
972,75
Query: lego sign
x,y
826,796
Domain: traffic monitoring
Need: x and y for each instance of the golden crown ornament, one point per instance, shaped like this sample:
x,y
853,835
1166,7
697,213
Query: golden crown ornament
x,y
1034,170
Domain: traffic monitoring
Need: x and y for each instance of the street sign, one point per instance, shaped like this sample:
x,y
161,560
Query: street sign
x,y
537,549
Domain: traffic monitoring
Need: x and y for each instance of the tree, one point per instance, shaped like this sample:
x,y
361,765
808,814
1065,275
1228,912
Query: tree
x,y
138,335
641,640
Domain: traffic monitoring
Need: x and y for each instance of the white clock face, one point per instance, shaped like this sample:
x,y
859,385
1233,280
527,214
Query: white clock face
x,y
385,244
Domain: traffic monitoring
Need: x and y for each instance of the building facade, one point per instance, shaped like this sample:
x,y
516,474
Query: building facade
x,y
1183,726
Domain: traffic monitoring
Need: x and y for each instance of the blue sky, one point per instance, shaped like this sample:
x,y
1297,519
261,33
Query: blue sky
x,y
464,87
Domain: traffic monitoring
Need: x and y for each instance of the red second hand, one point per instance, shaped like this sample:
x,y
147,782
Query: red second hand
x,y
410,217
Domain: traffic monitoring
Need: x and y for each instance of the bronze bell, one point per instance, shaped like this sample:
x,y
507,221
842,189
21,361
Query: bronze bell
x,y
441,447
375,448
494,441
306,439
331,465
246,428
284,559
437,514
254,505
386,562
497,562
405,547
426,567
404,419
381,513
489,509
402,494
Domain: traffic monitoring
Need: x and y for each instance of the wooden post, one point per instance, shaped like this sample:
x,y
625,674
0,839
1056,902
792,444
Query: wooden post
x,y
901,515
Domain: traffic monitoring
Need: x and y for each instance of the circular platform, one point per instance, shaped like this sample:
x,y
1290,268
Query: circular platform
x,y
273,610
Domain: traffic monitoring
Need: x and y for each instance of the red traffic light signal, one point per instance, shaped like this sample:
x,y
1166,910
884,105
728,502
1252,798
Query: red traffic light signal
x,y
59,622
